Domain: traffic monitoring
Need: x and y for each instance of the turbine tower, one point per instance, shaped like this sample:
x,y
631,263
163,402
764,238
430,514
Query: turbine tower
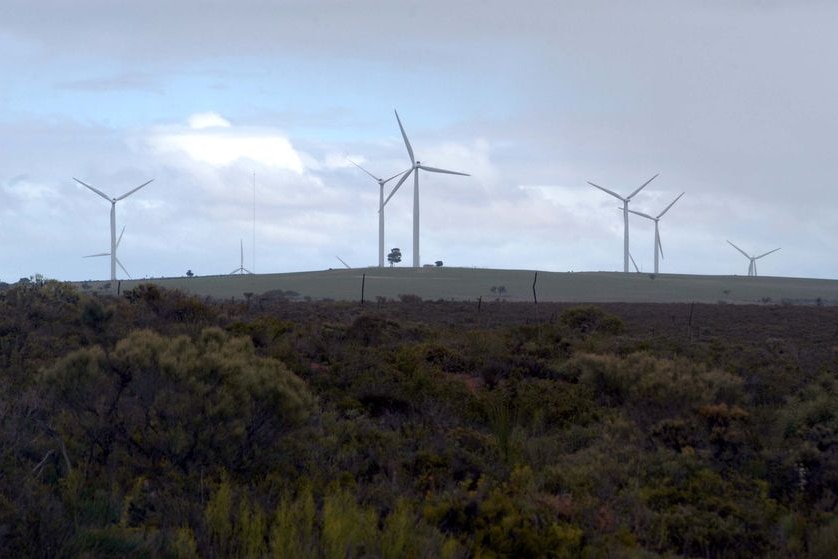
x,y
415,165
752,266
381,183
241,269
658,247
114,242
625,216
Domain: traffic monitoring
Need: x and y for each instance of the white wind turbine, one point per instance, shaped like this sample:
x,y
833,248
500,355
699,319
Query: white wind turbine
x,y
241,269
414,168
625,216
658,247
752,266
114,241
381,182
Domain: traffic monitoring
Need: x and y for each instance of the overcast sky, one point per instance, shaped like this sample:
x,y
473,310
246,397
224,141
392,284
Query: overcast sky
x,y
733,102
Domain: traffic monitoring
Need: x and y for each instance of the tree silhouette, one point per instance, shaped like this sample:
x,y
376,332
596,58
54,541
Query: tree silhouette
x,y
394,257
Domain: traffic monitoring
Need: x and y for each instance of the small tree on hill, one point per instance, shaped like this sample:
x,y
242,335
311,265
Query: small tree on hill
x,y
394,257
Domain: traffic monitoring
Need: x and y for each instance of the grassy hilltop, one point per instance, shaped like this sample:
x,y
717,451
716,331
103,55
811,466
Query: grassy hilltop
x,y
161,424
468,284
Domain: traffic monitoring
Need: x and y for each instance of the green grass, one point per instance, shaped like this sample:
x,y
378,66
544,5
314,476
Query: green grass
x,y
467,284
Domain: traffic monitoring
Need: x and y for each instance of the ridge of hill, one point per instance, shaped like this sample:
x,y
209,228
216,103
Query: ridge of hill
x,y
471,284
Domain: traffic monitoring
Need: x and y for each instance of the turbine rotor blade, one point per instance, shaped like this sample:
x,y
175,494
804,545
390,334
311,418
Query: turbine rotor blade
x,y
630,196
96,190
641,214
406,141
766,254
96,255
739,249
400,173
666,209
636,269
348,267
658,242
446,171
398,184
123,268
612,193
130,192
120,236
364,170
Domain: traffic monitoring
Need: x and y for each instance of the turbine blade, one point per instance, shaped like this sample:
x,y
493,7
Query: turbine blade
x,y
739,249
398,184
766,254
636,269
234,271
123,268
641,214
394,176
95,255
96,190
248,271
120,236
344,263
406,141
642,186
612,193
658,242
446,171
130,192
364,170
666,209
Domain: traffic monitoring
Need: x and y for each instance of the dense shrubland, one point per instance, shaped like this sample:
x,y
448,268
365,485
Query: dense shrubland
x,y
157,424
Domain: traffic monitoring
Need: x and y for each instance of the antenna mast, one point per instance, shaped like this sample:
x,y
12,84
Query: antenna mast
x,y
254,222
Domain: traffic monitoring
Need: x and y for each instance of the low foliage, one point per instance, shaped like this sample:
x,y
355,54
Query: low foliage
x,y
160,425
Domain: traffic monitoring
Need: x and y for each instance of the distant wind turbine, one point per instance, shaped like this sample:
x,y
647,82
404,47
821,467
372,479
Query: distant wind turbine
x,y
752,266
625,201
114,242
415,166
658,249
241,269
381,182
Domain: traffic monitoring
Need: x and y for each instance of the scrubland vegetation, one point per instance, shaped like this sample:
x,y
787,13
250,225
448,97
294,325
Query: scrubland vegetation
x,y
160,425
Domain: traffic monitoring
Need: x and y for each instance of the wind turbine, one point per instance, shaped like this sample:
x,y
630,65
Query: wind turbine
x,y
658,247
381,182
625,216
415,165
752,267
114,242
345,265
241,269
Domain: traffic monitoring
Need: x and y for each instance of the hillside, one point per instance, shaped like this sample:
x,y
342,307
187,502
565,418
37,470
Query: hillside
x,y
469,284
